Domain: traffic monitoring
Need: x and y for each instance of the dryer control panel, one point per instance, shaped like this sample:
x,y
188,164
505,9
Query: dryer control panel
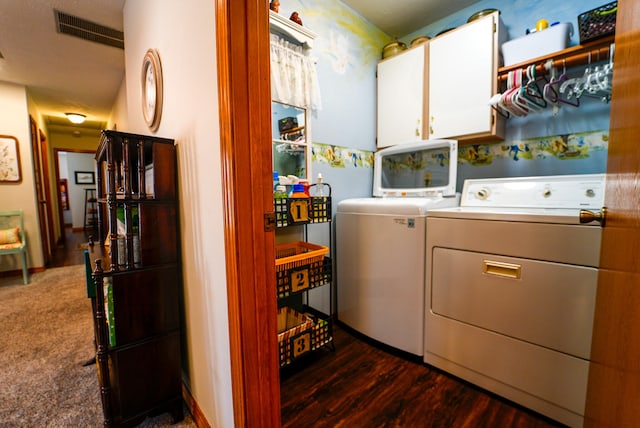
x,y
584,191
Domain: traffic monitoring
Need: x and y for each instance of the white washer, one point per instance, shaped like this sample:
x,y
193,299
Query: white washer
x,y
511,286
380,243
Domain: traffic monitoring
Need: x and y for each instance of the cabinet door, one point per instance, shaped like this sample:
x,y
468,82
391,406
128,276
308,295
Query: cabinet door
x,y
463,68
401,97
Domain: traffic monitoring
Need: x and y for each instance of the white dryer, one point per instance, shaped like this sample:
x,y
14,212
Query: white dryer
x,y
511,288
380,243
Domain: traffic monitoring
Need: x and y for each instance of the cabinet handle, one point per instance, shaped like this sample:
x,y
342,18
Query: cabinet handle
x,y
507,270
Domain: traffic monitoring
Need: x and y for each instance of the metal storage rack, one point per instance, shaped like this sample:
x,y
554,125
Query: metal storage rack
x,y
302,266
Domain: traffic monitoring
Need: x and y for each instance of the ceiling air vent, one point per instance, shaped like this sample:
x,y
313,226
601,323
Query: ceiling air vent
x,y
87,30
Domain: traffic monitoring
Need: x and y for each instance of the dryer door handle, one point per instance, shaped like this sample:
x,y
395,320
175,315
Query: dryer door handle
x,y
506,270
587,216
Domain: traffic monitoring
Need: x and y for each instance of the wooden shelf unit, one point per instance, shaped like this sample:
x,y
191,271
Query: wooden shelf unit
x,y
597,50
138,283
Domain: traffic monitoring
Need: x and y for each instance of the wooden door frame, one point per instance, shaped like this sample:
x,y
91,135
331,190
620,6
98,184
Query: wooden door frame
x,y
39,190
242,40
44,155
613,393
56,151
244,116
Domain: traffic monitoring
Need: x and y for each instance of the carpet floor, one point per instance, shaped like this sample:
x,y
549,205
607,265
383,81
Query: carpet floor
x,y
46,334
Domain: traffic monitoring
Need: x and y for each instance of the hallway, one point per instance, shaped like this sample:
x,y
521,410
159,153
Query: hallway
x,y
72,251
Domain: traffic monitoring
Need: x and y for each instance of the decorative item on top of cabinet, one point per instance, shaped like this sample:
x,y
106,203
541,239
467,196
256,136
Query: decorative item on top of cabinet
x,y
278,24
295,17
302,266
136,308
402,96
463,76
393,48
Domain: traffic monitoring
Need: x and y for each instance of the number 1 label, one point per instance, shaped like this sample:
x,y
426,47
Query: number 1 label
x,y
299,211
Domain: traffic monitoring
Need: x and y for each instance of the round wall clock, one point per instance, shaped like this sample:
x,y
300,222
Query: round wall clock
x,y
152,89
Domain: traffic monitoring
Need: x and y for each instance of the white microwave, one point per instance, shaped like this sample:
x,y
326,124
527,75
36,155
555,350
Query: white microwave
x,y
419,169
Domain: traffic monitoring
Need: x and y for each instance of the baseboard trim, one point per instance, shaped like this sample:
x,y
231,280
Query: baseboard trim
x,y
18,272
196,413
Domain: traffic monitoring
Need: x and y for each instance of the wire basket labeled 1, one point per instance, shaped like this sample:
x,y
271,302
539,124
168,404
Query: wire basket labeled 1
x,y
293,211
301,266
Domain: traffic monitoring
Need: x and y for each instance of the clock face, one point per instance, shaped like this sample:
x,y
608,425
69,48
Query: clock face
x,y
150,92
151,86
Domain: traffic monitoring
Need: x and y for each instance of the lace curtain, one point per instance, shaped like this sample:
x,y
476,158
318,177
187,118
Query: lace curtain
x,y
294,79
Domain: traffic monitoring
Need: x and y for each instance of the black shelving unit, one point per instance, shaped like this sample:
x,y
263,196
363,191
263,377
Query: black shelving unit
x,y
302,266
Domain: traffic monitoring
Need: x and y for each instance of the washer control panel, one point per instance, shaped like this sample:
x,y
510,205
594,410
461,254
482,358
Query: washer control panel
x,y
560,191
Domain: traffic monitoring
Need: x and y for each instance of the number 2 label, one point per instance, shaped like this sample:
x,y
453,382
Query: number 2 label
x,y
299,280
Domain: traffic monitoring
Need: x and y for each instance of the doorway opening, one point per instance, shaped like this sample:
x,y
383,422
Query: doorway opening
x,y
75,178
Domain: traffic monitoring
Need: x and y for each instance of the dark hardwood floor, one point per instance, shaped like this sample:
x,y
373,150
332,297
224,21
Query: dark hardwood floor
x,y
72,251
361,385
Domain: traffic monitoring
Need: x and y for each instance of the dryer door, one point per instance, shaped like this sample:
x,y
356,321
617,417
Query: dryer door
x,y
544,303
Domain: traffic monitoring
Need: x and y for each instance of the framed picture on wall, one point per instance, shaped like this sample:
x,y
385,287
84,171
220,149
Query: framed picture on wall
x,y
85,177
9,160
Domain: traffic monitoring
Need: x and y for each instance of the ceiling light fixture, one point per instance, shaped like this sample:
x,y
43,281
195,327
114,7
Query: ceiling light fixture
x,y
76,118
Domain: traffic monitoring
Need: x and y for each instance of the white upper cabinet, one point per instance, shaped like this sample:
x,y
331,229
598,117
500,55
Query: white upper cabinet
x,y
463,67
402,95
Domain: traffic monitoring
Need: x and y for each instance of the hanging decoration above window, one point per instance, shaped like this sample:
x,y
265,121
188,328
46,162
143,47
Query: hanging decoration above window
x,y
294,79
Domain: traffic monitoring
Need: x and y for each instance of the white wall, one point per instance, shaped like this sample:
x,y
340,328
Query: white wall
x,y
119,113
14,121
64,174
184,35
78,162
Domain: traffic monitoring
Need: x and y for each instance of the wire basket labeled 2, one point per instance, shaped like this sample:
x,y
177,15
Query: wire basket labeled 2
x,y
301,266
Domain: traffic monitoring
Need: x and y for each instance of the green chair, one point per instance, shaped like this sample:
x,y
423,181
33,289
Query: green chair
x,y
13,239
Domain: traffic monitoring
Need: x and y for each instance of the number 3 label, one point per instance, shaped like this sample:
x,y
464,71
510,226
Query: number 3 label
x,y
301,344
299,280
